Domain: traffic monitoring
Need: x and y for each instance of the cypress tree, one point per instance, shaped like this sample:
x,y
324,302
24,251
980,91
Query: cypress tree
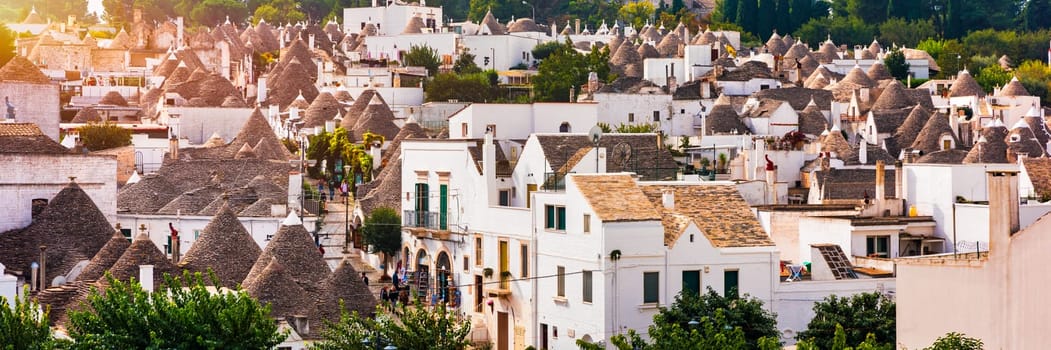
x,y
746,15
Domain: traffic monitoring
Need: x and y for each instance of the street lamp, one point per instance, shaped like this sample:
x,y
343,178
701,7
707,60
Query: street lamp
x,y
530,6
346,203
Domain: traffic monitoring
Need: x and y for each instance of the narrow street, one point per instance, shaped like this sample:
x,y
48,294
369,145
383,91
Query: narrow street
x,y
333,234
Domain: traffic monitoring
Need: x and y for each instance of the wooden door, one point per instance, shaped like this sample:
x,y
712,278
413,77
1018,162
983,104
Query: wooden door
x,y
502,331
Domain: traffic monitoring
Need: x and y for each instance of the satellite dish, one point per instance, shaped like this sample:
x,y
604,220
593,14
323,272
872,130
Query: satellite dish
x,y
595,134
621,154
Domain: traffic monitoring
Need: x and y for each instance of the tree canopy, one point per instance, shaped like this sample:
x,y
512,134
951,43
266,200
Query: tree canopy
x,y
24,326
415,327
422,56
382,232
565,69
7,44
859,315
182,314
100,136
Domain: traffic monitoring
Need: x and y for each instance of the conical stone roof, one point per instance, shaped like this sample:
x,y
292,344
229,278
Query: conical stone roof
x,y
72,228
669,45
990,148
495,28
345,284
350,119
324,108
858,77
912,126
879,71
292,245
965,85
275,285
21,70
142,251
723,119
893,97
929,139
376,118
811,120
1013,88
105,258
87,115
648,51
225,247
113,98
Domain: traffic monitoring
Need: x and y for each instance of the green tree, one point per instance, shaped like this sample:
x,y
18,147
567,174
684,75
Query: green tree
x,y
7,44
1036,77
593,12
896,64
565,69
636,13
898,31
747,15
543,50
859,315
214,12
422,56
841,29
956,341
24,326
992,76
182,314
414,327
336,149
100,136
117,12
279,11
726,11
463,87
382,233
706,321
1035,15
767,18
465,64
869,11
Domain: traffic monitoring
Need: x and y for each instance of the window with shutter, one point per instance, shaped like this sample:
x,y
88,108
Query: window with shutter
x,y
587,286
650,287
561,281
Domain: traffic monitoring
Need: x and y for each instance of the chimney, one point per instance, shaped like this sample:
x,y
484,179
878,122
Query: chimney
x,y
176,247
576,26
489,166
672,82
668,198
295,190
273,113
310,41
293,113
1003,209
881,184
43,268
863,152
136,15
146,277
179,31
899,178
8,287
173,147
593,87
374,3
330,126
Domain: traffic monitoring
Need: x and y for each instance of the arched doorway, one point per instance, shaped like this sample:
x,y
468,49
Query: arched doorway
x,y
443,276
421,277
565,127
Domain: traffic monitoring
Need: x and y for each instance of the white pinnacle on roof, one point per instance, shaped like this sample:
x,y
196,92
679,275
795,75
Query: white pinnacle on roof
x,y
375,100
811,103
825,133
135,178
1033,111
69,142
981,139
996,123
1020,124
300,97
292,220
835,128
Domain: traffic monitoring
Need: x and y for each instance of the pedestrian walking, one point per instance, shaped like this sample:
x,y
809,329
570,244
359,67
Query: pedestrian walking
x,y
365,278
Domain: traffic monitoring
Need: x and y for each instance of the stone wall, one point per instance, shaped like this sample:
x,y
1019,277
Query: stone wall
x,y
35,103
106,60
63,57
125,161
33,176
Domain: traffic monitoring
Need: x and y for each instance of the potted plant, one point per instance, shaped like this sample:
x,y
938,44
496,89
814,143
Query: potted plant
x,y
487,272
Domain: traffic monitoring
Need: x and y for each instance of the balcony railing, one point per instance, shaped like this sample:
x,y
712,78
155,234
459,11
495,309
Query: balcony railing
x,y
425,219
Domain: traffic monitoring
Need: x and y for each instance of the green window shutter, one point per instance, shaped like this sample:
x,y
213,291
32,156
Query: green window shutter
x,y
587,286
549,218
650,287
168,248
691,281
444,206
730,283
870,245
561,218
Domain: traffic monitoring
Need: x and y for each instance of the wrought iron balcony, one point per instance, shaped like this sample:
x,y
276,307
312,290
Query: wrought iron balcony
x,y
425,219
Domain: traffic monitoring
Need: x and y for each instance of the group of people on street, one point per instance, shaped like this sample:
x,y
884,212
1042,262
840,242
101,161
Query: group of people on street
x,y
327,189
